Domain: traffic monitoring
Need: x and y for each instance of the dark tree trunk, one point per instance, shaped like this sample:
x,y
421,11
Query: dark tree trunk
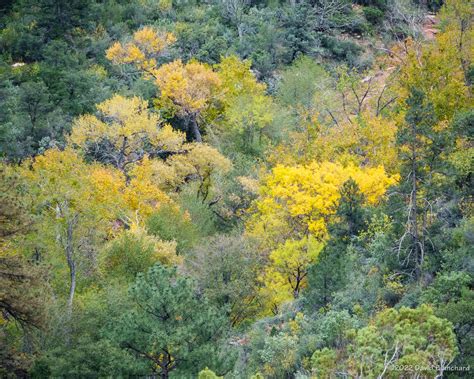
x,y
194,129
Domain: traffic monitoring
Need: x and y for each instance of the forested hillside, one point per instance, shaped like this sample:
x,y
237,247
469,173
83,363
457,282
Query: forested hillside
x,y
242,189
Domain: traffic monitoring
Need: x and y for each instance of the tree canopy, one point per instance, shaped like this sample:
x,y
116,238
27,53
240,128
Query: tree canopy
x,y
236,189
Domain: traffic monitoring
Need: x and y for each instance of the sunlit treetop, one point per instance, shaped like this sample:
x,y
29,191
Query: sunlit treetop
x,y
129,126
142,51
237,78
121,118
299,200
190,87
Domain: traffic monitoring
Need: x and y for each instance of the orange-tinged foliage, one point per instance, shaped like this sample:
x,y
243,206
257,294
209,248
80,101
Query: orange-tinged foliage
x,y
146,44
63,176
144,193
190,87
187,87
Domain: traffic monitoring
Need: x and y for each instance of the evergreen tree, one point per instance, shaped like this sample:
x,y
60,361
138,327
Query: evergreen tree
x,y
170,325
420,148
329,273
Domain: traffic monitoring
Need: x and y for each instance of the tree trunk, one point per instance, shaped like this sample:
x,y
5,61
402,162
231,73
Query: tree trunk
x,y
240,31
121,157
414,206
194,129
70,261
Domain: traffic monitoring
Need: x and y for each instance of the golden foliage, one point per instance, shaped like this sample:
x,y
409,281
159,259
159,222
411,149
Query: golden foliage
x,y
291,215
190,87
440,69
285,275
369,141
146,44
301,199
67,185
124,121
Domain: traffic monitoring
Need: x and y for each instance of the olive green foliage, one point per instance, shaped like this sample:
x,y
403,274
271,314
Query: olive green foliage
x,y
170,225
226,270
208,374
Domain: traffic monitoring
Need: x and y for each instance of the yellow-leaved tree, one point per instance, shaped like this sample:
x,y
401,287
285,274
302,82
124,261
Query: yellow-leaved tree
x,y
440,69
143,50
247,110
123,131
154,158
80,206
76,203
188,89
184,89
338,119
368,141
291,216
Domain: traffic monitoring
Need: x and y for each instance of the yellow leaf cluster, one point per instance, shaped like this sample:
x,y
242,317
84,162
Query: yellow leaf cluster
x,y
124,121
440,69
237,78
247,107
301,199
135,250
144,197
70,186
291,214
369,141
201,160
164,251
146,44
285,277
129,126
63,179
190,87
